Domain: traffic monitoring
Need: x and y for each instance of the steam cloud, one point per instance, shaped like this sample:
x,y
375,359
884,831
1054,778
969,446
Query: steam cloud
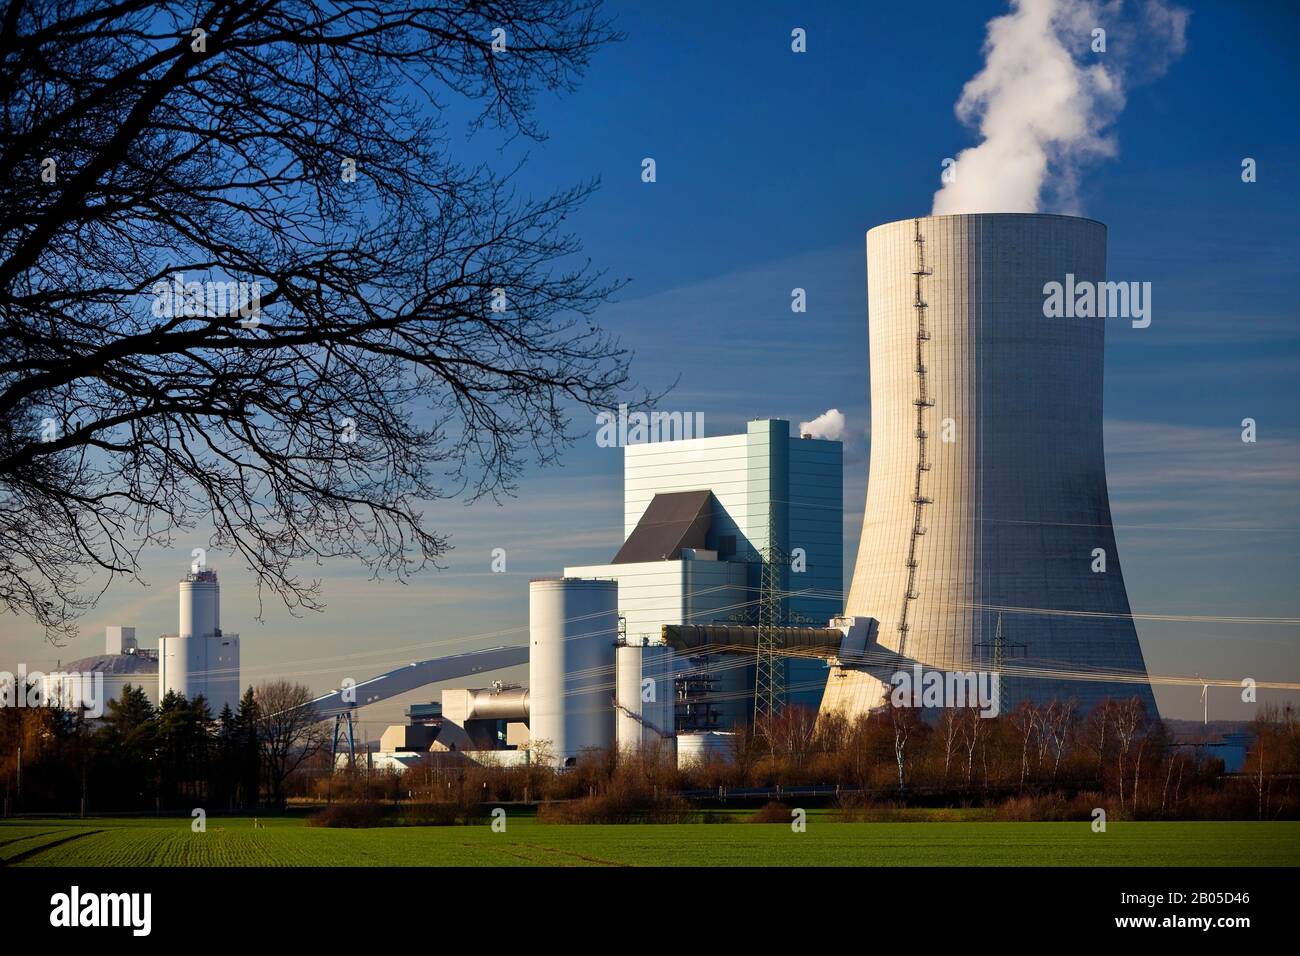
x,y
1045,101
829,424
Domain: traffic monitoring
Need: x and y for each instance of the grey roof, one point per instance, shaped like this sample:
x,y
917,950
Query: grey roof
x,y
672,521
114,664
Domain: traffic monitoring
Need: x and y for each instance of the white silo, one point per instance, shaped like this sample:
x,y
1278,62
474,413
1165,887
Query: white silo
x,y
200,604
199,658
573,627
644,696
986,498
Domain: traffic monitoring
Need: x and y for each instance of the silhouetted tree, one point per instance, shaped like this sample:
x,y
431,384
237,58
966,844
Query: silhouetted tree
x,y
247,753
52,757
126,772
223,767
289,732
184,735
1273,761
421,330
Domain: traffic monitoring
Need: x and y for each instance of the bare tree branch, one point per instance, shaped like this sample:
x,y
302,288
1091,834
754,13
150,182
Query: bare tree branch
x,y
408,327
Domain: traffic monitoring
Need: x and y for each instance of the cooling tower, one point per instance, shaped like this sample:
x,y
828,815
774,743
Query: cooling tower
x,y
986,496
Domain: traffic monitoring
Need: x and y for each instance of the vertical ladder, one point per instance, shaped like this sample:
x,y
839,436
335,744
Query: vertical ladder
x,y
921,402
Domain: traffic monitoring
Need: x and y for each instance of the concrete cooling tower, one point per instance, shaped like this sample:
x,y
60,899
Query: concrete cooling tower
x,y
986,496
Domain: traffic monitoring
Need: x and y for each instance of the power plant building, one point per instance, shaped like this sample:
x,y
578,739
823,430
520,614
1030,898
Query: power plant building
x,y
987,544
697,515
200,659
123,663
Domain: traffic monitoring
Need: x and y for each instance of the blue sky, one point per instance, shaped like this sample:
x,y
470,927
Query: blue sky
x,y
771,167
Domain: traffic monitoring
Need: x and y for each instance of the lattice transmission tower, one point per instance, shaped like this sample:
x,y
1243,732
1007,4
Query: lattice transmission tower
x,y
769,670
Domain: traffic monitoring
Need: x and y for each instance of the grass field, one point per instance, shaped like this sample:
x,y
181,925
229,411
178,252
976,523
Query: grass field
x,y
289,842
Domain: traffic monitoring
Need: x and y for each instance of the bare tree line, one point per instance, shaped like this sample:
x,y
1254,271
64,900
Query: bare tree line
x,y
1039,761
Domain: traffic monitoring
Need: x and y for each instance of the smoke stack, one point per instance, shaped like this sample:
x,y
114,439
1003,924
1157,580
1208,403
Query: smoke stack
x,y
986,499
829,424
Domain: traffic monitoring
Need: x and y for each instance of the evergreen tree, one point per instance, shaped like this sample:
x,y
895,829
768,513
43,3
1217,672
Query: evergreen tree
x,y
224,769
200,733
173,720
248,754
127,744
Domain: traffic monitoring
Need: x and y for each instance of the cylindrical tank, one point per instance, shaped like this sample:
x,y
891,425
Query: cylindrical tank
x,y
201,665
700,746
573,626
490,704
644,695
986,495
200,604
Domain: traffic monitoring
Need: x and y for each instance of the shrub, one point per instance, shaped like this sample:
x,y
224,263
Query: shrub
x,y
349,815
772,812
618,803
441,814
1056,807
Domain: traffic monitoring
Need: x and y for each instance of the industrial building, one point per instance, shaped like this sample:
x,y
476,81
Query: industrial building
x,y
698,516
123,662
200,658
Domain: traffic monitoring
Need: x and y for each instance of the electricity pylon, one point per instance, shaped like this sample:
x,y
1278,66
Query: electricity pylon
x,y
769,670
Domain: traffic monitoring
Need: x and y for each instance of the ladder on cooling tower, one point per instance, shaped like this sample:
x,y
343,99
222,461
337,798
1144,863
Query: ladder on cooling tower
x,y
922,402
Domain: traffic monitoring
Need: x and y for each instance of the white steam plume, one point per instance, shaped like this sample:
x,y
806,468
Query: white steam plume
x,y
1045,100
829,424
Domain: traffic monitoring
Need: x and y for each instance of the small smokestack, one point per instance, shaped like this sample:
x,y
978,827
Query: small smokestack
x,y
829,424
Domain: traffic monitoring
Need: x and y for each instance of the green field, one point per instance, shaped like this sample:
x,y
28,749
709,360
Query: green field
x,y
289,842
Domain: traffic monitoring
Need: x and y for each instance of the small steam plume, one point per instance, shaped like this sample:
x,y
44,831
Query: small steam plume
x,y
1045,100
829,424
